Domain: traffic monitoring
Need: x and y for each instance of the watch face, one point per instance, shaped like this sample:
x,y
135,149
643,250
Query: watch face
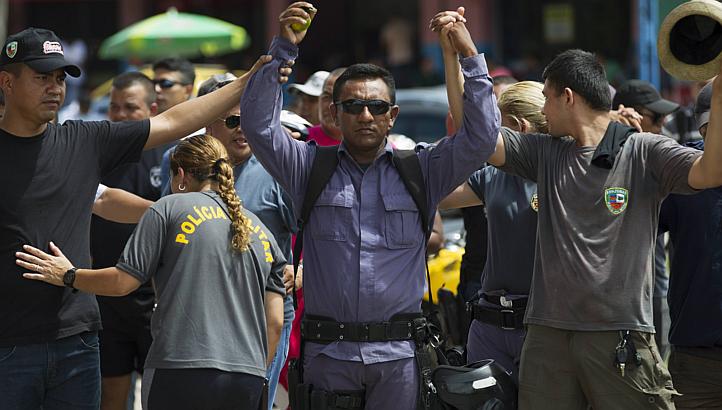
x,y
69,278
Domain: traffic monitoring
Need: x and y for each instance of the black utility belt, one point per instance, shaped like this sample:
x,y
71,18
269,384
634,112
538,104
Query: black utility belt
x,y
506,302
505,318
327,331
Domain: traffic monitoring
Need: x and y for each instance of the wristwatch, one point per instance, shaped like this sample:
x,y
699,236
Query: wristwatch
x,y
69,278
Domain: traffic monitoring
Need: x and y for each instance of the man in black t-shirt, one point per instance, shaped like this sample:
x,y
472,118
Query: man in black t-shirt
x,y
125,338
49,174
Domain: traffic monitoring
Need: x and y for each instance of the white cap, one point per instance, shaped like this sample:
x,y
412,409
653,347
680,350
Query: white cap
x,y
313,86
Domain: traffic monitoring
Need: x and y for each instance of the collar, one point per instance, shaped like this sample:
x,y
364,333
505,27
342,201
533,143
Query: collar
x,y
614,138
388,149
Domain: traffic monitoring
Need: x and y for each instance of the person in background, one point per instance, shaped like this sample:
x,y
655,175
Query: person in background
x,y
694,223
307,96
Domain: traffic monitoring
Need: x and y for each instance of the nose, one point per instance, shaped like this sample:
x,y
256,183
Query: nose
x,y
365,115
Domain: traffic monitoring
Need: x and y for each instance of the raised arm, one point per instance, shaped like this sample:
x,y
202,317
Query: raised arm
x,y
120,206
706,171
456,43
286,159
51,269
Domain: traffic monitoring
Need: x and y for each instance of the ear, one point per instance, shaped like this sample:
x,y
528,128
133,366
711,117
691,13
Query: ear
x,y
189,90
524,125
568,96
153,109
334,113
6,81
394,111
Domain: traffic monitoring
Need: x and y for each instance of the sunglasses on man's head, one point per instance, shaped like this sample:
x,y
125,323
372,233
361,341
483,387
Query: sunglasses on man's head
x,y
232,121
166,83
355,107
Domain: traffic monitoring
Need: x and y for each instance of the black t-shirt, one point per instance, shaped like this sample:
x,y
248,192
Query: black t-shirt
x,y
50,182
474,259
107,240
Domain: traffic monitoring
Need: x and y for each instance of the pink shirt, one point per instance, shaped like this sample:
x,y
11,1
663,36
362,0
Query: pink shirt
x,y
317,134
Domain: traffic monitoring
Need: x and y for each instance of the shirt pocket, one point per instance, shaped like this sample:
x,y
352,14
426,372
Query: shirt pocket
x,y
331,216
402,223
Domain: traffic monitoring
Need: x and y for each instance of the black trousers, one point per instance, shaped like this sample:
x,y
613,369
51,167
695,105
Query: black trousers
x,y
202,389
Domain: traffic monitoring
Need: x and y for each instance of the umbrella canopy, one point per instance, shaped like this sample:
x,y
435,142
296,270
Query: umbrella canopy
x,y
174,34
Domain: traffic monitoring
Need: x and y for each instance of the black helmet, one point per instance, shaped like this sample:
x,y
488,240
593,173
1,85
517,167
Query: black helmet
x,y
484,385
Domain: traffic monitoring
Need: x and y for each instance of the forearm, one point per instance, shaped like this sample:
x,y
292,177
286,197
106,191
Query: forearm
x,y
454,86
105,282
183,119
706,172
282,156
274,323
120,206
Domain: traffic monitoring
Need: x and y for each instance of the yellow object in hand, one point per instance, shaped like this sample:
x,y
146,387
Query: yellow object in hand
x,y
298,27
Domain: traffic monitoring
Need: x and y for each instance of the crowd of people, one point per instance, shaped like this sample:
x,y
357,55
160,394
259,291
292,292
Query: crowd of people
x,y
219,245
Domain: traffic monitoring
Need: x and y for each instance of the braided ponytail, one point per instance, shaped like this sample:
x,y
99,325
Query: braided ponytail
x,y
227,192
204,157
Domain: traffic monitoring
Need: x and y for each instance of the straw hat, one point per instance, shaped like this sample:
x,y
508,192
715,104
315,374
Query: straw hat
x,y
690,40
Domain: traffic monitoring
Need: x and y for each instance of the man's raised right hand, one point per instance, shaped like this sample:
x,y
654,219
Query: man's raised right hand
x,y
299,13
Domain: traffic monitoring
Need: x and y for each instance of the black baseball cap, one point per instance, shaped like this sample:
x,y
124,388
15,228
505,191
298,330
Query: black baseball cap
x,y
39,49
635,93
702,105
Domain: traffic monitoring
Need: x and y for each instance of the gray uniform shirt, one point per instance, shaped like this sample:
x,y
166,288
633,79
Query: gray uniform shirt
x,y
511,205
594,262
210,311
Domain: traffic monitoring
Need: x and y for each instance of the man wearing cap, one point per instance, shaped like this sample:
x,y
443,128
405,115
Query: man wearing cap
x,y
306,102
50,173
645,99
694,223
326,133
125,338
263,196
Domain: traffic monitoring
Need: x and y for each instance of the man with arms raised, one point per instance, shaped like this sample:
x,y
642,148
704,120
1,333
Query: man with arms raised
x,y
364,247
590,339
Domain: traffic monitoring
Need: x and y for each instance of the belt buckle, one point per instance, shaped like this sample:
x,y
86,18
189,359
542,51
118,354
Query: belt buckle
x,y
507,313
504,302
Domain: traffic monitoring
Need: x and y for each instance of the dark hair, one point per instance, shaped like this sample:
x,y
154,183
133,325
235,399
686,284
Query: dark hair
x,y
181,65
580,71
365,71
126,80
13,68
2,98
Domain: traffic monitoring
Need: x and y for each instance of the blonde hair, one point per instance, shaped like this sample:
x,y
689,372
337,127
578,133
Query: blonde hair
x,y
204,157
524,101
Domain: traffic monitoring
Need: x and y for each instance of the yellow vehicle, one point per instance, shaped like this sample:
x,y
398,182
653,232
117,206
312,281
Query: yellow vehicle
x,y
444,270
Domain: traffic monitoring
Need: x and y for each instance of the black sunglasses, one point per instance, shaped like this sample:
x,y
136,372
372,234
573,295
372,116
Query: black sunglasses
x,y
356,107
166,83
232,121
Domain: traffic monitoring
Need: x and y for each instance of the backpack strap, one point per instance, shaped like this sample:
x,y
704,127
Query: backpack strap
x,y
324,165
409,167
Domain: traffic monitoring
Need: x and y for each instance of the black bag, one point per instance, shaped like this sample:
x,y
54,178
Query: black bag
x,y
483,385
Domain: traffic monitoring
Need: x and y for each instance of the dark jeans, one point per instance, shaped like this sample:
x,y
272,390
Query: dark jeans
x,y
59,375
697,374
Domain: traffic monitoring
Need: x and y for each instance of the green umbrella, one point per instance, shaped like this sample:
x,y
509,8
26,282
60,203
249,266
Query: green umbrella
x,y
175,34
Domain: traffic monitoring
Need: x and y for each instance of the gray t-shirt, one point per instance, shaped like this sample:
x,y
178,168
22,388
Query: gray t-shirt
x,y
594,262
210,311
511,205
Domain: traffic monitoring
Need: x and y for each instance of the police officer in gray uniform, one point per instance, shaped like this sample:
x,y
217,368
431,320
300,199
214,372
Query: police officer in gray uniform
x,y
364,248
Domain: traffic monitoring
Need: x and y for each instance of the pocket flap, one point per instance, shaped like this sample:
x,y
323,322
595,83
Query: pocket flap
x,y
335,197
399,202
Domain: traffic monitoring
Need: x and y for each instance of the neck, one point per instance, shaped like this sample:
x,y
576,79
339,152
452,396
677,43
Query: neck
x,y
590,128
208,185
20,126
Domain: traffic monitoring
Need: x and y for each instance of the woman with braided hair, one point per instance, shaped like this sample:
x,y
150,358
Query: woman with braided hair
x,y
218,277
